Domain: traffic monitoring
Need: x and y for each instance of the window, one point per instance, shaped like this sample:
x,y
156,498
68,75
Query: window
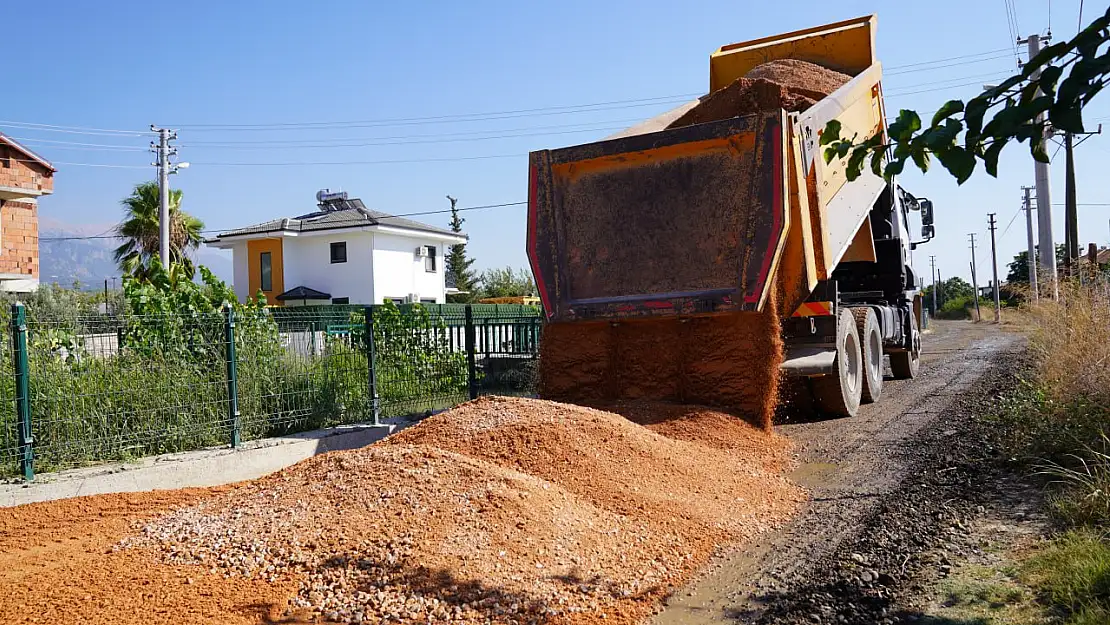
x,y
266,266
430,259
427,300
396,300
340,300
339,252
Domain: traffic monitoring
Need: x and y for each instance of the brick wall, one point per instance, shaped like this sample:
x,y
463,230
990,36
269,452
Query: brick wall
x,y
16,172
19,238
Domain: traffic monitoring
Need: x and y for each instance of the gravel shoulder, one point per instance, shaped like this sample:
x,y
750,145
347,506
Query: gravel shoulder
x,y
889,488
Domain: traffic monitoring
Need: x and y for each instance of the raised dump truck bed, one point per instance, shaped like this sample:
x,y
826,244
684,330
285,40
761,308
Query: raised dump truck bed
x,y
738,218
681,221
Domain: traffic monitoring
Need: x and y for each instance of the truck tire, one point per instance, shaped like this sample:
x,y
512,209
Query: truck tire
x,y
871,342
904,365
839,393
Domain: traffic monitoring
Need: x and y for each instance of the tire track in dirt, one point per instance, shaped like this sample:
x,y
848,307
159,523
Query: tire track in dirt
x,y
849,465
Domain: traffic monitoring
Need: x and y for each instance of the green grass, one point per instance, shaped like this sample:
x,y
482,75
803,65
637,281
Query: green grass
x,y
1073,575
985,595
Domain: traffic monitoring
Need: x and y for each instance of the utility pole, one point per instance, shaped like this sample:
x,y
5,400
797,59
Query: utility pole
x,y
164,151
163,165
974,281
994,269
1071,214
933,271
1044,194
1027,206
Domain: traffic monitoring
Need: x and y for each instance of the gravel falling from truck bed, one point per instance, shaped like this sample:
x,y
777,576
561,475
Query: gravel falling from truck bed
x,y
502,510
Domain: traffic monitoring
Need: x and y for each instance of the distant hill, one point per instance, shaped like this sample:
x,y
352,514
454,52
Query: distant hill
x,y
66,257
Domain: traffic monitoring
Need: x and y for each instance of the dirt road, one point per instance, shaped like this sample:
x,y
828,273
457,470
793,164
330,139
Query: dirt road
x,y
879,484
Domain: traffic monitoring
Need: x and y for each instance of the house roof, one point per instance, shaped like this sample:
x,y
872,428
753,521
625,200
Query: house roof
x,y
334,215
5,139
303,292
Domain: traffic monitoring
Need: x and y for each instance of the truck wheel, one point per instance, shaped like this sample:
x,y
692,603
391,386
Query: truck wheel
x,y
904,364
839,393
871,340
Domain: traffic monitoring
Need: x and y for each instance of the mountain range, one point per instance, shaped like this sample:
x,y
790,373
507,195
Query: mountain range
x,y
70,253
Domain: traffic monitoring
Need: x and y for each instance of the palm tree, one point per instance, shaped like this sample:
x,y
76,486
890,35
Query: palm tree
x,y
139,231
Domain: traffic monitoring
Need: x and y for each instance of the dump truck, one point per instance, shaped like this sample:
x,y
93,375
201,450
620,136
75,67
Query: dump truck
x,y
708,253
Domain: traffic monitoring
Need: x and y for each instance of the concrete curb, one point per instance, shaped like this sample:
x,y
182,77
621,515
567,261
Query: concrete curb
x,y
208,467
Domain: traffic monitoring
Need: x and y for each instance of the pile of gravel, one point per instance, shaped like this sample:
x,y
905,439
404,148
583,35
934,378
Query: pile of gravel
x,y
503,510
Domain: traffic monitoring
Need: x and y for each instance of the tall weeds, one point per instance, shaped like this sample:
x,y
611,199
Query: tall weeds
x,y
1068,406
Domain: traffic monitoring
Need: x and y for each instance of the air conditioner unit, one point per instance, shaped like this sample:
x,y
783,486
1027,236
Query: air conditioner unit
x,y
422,251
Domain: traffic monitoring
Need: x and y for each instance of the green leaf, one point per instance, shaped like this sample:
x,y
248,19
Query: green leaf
x,y
1037,149
906,125
893,168
948,109
990,158
1045,56
877,163
830,133
921,159
842,148
973,113
1001,89
1066,116
855,163
1049,77
958,161
935,138
830,154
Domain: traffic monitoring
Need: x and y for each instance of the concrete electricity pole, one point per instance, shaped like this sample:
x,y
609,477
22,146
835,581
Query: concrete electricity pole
x,y
1027,206
164,151
933,271
974,281
1044,194
994,269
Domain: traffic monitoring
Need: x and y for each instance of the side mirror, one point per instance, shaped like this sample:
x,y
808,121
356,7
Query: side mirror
x,y
928,232
926,212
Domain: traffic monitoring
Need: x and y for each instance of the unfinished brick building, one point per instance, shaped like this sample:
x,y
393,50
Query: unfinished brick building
x,y
24,177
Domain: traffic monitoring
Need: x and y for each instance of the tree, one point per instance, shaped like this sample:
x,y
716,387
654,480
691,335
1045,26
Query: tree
x,y
1019,267
1014,105
139,231
507,282
954,288
459,272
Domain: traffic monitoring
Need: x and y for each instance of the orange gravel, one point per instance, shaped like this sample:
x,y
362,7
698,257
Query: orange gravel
x,y
501,510
57,565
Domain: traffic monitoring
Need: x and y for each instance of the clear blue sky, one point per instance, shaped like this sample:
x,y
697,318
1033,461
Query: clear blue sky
x,y
123,65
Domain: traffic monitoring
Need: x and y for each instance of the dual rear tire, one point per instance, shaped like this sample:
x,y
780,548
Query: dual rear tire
x,y
858,377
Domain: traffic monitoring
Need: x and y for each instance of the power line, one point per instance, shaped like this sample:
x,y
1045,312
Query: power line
x,y
77,130
351,145
951,58
929,69
977,77
442,119
1016,213
895,94
340,222
76,143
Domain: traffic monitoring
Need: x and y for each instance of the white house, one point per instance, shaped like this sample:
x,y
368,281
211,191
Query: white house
x,y
343,253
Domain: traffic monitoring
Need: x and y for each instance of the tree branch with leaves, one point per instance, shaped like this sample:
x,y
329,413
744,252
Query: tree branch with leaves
x,y
1022,108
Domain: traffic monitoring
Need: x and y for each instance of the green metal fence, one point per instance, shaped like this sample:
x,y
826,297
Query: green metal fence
x,y
83,390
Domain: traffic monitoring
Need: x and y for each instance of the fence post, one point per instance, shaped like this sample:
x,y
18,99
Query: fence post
x,y
471,368
371,366
22,391
232,378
